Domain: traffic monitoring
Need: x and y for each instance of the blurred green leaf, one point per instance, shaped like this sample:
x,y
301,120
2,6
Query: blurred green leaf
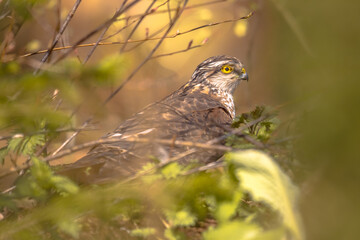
x,y
170,235
263,179
261,130
232,231
3,152
182,217
26,145
70,227
41,181
227,209
241,230
6,201
22,7
64,185
143,232
171,170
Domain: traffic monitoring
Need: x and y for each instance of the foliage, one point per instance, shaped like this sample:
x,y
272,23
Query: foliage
x,y
249,198
261,130
163,203
211,202
260,176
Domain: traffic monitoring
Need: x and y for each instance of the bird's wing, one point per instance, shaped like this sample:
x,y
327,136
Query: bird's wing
x,y
195,117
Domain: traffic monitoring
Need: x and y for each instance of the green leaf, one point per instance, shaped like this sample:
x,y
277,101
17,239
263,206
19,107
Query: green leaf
x,y
264,180
3,152
64,185
41,182
237,230
7,201
170,235
171,170
227,209
232,231
70,227
180,218
26,145
143,232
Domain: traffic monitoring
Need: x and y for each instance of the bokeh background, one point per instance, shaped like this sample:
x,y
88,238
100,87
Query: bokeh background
x,y
301,55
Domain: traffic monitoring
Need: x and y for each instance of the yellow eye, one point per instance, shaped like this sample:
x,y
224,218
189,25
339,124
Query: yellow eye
x,y
227,69
243,70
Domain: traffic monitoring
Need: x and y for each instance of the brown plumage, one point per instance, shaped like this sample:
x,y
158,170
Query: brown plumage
x,y
199,111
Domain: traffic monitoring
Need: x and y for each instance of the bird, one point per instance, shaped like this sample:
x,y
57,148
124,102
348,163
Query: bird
x,y
199,111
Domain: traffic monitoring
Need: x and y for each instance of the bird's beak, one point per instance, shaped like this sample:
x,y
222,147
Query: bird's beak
x,y
244,76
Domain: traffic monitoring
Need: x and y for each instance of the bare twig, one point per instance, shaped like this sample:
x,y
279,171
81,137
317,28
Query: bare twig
x,y
70,138
174,9
293,24
137,139
178,33
101,37
254,142
58,36
60,130
8,190
130,139
137,25
176,52
120,30
149,55
211,145
239,130
208,145
99,28
212,165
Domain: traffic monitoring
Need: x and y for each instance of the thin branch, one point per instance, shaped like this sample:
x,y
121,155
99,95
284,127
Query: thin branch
x,y
169,10
140,140
239,130
178,33
137,25
70,138
294,26
120,30
174,9
211,145
149,55
212,165
58,36
95,45
176,52
254,142
101,37
60,130
99,28
130,139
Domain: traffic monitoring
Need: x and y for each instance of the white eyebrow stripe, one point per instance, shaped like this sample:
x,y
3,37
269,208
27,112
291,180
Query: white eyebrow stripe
x,y
218,63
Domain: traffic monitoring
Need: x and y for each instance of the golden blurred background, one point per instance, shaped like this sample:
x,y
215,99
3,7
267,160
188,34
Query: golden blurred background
x,y
301,54
245,39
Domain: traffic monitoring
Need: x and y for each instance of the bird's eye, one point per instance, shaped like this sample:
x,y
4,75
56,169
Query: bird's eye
x,y
227,69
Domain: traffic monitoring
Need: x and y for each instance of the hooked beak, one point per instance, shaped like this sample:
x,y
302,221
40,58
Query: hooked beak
x,y
244,76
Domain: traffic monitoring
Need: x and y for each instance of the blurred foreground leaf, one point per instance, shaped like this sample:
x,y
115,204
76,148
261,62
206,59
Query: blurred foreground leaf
x,y
41,182
240,230
263,179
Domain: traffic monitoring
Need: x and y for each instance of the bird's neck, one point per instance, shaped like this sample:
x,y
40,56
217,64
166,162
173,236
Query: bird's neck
x,y
225,97
223,92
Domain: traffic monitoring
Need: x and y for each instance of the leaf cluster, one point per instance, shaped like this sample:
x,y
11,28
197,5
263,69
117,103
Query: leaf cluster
x,y
172,205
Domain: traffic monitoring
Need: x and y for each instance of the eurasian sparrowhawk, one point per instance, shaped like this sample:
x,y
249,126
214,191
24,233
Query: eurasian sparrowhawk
x,y
201,110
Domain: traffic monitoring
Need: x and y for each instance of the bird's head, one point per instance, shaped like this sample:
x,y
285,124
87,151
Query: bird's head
x,y
220,72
